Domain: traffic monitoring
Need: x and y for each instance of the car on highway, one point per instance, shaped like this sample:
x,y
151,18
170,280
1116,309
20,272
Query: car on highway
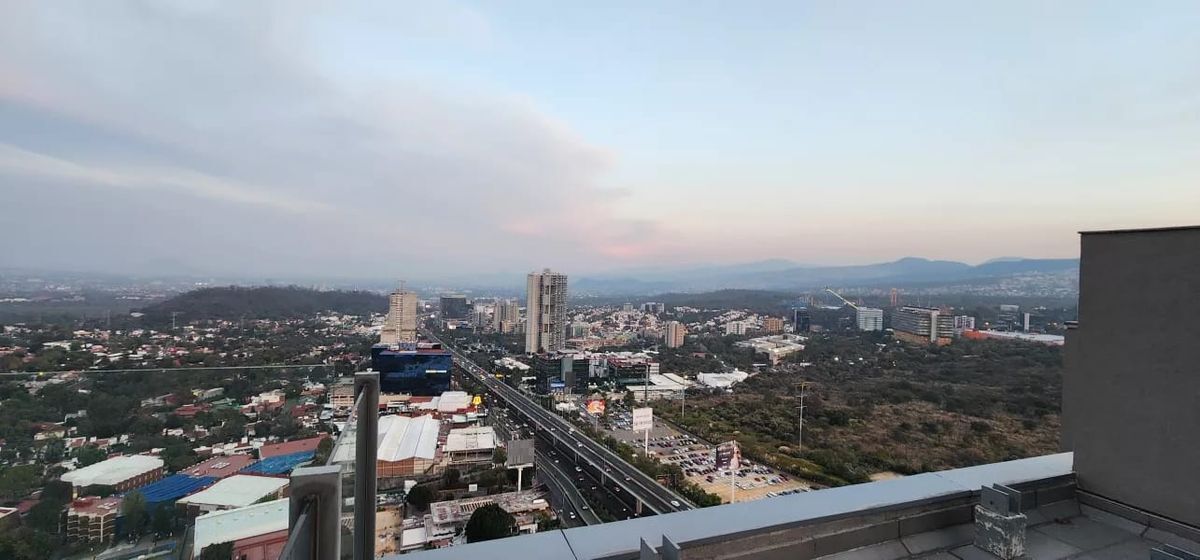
x,y
675,503
577,469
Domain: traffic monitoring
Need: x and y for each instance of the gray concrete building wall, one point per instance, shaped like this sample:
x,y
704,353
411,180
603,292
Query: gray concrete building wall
x,y
1131,391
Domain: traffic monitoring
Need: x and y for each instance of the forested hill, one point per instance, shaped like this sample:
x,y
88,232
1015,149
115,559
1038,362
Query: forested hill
x,y
267,302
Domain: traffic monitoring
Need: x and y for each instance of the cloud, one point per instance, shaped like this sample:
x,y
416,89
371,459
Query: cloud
x,y
226,120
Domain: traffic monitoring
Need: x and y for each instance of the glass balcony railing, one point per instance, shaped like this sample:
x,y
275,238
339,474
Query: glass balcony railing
x,y
332,510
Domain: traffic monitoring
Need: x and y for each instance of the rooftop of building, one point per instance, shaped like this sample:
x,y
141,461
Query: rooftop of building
x,y
472,438
220,466
1140,230
174,487
240,523
403,437
921,516
92,505
459,511
113,471
239,490
290,447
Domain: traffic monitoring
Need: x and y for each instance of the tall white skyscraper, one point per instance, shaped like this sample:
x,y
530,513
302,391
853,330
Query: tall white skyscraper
x,y
401,322
546,312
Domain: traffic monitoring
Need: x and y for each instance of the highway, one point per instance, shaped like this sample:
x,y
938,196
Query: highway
x,y
606,464
555,476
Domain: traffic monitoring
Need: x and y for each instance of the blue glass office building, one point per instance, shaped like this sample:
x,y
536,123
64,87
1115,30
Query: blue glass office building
x,y
422,370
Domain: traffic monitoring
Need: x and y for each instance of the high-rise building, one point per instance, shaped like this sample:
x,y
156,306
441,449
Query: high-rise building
x,y
869,318
963,323
1008,315
506,317
546,312
400,325
412,368
1025,321
580,329
653,307
673,334
923,325
772,325
481,316
454,307
800,320
736,327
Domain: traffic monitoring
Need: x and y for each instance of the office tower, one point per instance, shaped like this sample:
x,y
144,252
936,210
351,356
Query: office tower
x,y
963,323
627,308
454,307
481,316
546,312
800,320
869,319
772,325
1025,324
507,316
653,307
895,297
673,334
1008,315
400,325
580,329
923,325
415,369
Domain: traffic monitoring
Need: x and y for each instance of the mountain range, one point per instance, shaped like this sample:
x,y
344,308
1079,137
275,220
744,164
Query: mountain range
x,y
785,275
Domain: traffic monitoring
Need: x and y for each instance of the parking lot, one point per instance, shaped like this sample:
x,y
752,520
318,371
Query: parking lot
x,y
697,460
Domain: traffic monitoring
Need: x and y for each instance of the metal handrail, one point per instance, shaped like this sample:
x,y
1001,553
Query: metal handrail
x,y
300,528
320,499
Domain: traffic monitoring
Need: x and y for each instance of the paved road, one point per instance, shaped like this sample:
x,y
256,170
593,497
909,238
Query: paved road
x,y
648,491
554,475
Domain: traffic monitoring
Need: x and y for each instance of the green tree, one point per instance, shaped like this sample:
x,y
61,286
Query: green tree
x,y
46,515
163,520
489,522
222,551
499,456
324,449
17,482
419,497
89,455
450,478
54,451
133,509
25,544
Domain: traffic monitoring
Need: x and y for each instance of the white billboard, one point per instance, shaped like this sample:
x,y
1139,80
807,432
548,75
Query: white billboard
x,y
643,419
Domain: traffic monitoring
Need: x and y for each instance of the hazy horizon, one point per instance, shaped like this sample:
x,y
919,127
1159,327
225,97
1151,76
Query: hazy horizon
x,y
438,140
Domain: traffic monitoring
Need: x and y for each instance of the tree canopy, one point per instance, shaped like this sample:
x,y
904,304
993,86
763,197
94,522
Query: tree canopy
x,y
489,522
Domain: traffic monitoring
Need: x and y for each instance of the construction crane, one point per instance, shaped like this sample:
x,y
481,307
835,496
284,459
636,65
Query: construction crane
x,y
839,296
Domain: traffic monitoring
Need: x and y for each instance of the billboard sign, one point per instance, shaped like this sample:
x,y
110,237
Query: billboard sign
x,y
596,407
643,419
729,456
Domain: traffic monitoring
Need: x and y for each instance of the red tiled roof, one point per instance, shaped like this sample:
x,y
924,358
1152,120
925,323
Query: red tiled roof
x,y
287,448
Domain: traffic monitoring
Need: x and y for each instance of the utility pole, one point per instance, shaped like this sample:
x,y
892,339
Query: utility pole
x,y
800,430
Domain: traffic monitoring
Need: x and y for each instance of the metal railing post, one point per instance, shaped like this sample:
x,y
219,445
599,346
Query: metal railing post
x,y
314,513
366,386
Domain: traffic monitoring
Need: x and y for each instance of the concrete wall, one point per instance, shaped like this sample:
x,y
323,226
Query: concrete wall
x,y
1131,392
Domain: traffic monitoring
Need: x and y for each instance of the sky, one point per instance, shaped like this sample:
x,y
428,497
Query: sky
x,y
435,139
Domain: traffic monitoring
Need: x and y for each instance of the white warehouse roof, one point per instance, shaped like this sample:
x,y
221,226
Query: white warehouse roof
x,y
239,490
241,523
401,437
467,439
113,471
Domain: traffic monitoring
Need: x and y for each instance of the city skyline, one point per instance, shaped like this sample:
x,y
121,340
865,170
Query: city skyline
x,y
175,137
